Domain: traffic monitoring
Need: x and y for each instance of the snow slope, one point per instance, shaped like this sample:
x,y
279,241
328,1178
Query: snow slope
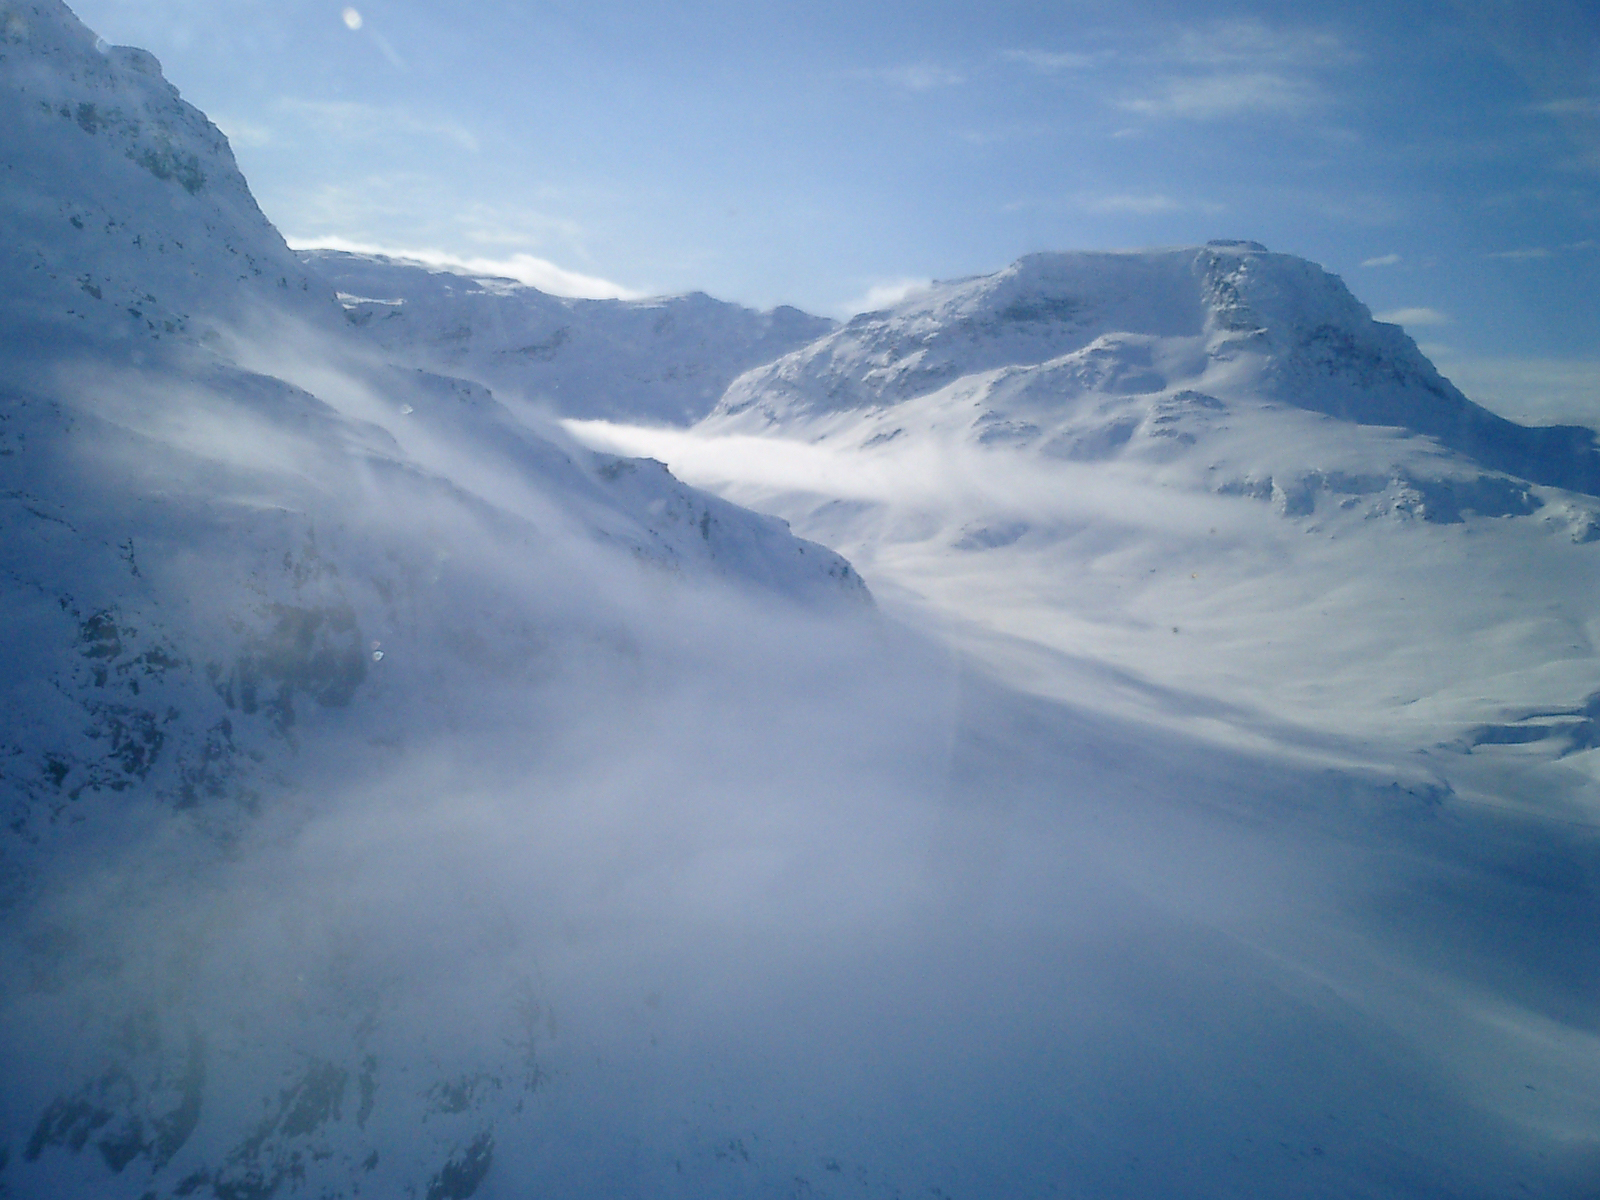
x,y
666,360
241,428
125,216
244,565
1271,325
403,801
1205,473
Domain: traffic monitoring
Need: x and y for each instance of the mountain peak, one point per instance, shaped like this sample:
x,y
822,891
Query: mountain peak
x,y
124,211
1227,314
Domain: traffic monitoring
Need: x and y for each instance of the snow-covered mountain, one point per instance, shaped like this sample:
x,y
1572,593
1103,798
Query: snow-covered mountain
x,y
125,215
244,567
1207,470
404,800
1097,341
667,359
124,431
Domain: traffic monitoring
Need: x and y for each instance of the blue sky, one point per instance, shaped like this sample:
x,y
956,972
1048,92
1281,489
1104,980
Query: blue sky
x,y
1442,156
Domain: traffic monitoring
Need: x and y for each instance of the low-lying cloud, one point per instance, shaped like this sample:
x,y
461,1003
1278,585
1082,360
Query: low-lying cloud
x,y
614,878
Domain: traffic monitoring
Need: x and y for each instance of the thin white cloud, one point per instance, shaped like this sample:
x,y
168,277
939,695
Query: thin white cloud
x,y
1236,68
1126,204
1413,316
880,296
1254,43
240,132
1532,390
352,119
915,77
524,268
1523,255
1383,260
1347,204
1132,204
386,48
492,225
1051,60
1573,106
1212,97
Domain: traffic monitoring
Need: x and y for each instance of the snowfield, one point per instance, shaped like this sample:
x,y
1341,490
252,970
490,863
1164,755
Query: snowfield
x,y
1247,506
415,784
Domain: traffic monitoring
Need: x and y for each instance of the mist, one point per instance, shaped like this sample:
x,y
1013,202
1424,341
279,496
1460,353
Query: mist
x,y
614,870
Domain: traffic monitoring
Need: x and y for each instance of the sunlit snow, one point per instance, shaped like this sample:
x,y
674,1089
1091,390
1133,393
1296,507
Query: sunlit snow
x,y
1156,758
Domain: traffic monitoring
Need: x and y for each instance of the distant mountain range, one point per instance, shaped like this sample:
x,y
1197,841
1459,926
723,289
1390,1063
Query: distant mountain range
x,y
667,359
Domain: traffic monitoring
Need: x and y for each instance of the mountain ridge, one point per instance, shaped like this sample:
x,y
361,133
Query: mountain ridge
x,y
149,303
1317,348
125,206
665,358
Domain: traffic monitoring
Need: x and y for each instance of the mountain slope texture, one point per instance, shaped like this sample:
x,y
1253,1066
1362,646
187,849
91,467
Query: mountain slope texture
x,y
401,797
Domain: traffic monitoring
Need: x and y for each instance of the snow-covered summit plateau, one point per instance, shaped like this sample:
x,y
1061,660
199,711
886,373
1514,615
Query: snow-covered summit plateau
x,y
1103,346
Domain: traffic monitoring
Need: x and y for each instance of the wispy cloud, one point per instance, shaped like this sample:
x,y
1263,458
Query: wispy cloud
x,y
1349,204
1534,390
915,77
1127,204
1253,43
354,120
1383,260
1524,255
882,295
1135,204
501,225
524,268
240,132
1535,253
1417,317
386,48
1236,68
1572,106
1211,97
1051,60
